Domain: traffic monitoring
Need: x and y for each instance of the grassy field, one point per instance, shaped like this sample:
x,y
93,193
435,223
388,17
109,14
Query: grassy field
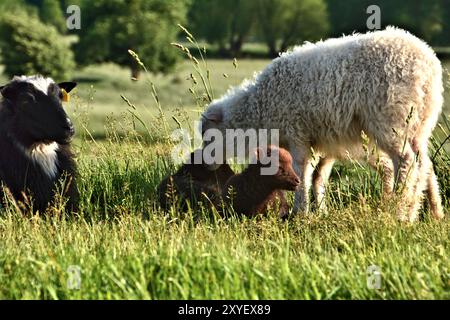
x,y
101,87
125,248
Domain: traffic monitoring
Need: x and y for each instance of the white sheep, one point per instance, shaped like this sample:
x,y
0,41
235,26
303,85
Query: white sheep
x,y
322,96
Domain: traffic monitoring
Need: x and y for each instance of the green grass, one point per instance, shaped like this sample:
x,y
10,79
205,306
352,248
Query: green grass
x,y
100,88
126,248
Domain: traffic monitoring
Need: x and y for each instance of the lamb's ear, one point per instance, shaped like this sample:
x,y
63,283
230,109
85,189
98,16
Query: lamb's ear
x,y
259,154
67,86
265,155
214,115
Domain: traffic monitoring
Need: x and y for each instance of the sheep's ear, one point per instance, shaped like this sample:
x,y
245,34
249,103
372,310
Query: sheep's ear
x,y
67,86
215,115
8,91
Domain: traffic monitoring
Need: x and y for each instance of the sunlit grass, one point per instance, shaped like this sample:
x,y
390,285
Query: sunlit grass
x,y
126,248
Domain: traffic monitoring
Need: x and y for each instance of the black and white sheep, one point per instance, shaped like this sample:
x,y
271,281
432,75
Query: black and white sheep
x,y
35,135
321,97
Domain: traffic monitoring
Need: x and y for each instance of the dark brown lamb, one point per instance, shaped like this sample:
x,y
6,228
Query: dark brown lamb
x,y
194,183
250,193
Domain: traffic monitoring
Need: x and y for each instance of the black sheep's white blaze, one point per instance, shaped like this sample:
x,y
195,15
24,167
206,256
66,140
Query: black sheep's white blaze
x,y
46,156
39,82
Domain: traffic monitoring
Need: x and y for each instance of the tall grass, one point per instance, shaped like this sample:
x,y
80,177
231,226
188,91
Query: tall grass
x,y
127,248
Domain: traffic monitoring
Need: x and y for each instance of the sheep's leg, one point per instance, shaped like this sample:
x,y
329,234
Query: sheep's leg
x,y
384,164
320,181
433,195
432,188
406,171
421,183
425,180
304,169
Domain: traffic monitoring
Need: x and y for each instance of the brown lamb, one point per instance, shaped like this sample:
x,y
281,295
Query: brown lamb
x,y
193,183
250,193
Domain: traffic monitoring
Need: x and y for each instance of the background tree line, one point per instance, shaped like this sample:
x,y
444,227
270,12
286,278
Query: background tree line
x,y
34,36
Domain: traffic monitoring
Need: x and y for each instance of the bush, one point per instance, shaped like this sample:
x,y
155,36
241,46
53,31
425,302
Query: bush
x,y
284,23
227,24
111,28
30,47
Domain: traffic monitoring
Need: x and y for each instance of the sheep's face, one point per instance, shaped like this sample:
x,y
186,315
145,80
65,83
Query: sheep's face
x,y
37,112
212,128
224,138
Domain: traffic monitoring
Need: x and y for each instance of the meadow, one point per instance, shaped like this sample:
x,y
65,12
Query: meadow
x,y
126,248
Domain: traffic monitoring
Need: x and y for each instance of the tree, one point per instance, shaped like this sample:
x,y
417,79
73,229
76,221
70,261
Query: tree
x,y
426,19
444,37
51,13
283,23
29,47
422,18
10,4
112,27
225,23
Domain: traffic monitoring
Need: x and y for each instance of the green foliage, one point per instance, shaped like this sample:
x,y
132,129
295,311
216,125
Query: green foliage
x,y
287,22
225,23
423,18
440,155
280,23
10,4
443,38
29,47
111,28
51,13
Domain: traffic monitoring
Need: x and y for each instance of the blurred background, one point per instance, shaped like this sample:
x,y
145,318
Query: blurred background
x,y
40,36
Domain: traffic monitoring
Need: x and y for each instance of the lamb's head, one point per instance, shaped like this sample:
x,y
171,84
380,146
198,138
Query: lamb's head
x,y
36,112
284,177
